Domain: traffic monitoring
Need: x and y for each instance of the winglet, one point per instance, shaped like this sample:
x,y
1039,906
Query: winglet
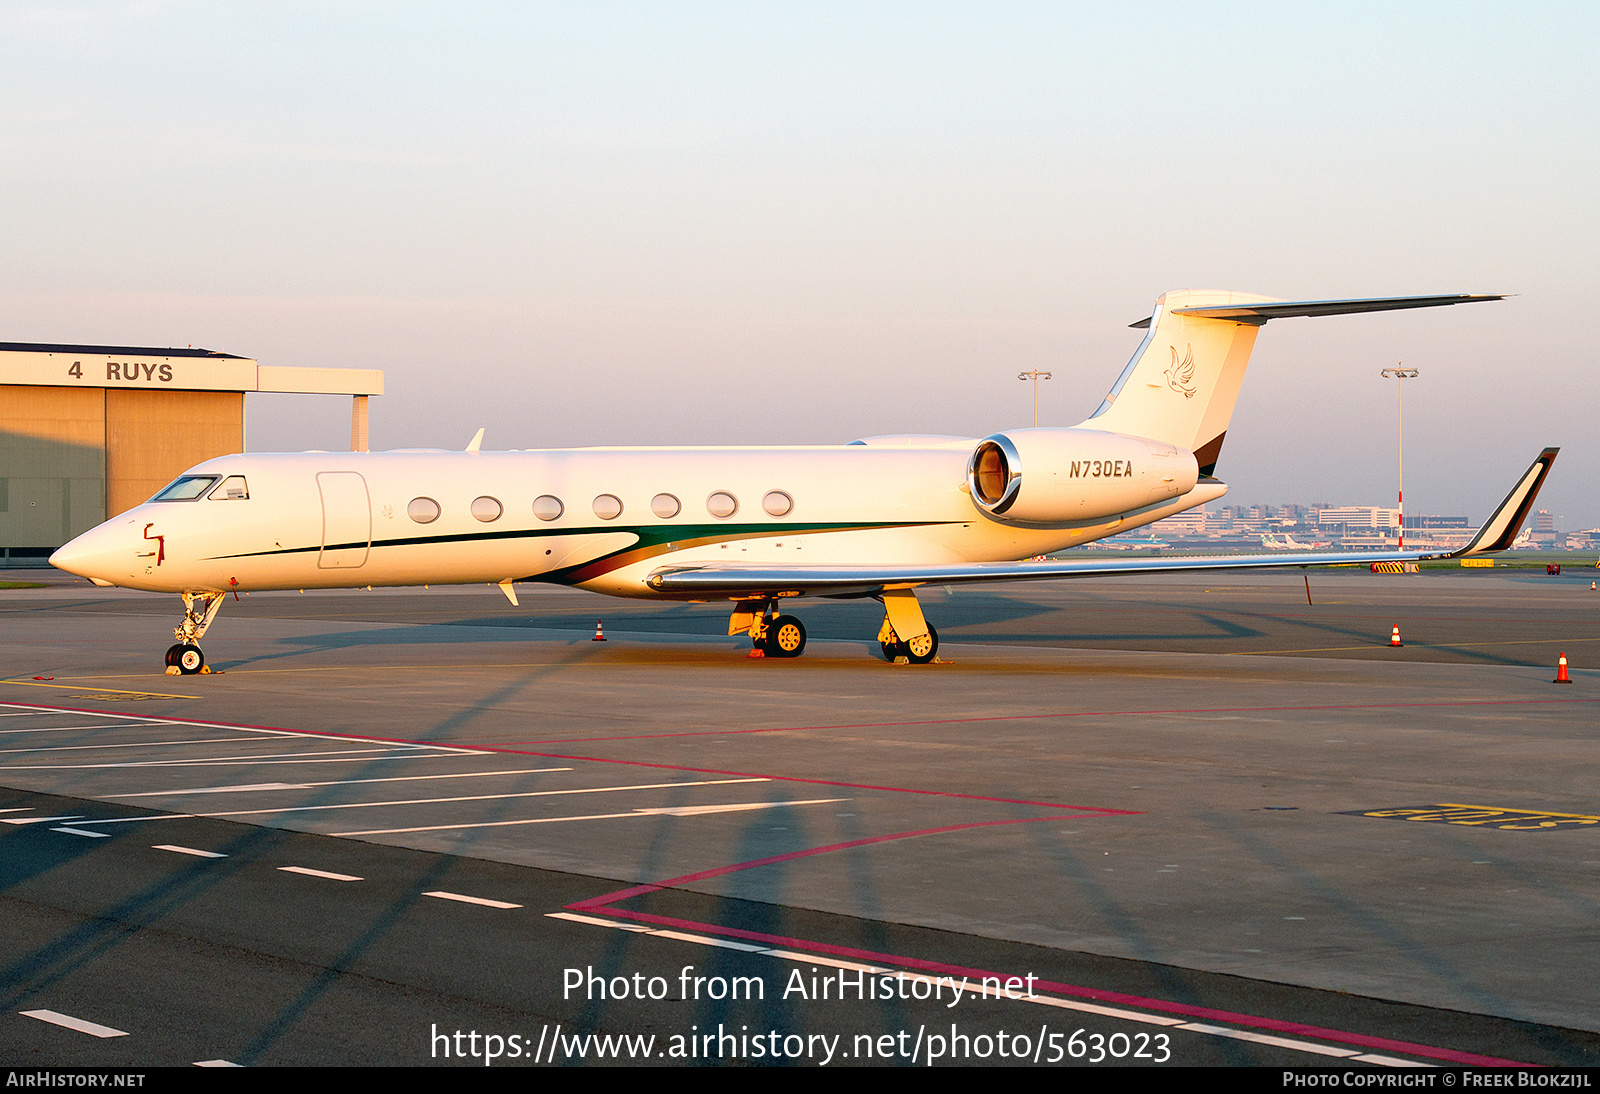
x,y
1500,530
477,439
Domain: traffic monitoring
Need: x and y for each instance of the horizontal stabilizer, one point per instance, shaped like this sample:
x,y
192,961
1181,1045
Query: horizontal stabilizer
x,y
1288,309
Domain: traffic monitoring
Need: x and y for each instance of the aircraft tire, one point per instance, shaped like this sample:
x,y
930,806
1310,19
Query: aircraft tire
x,y
173,653
190,659
786,637
919,651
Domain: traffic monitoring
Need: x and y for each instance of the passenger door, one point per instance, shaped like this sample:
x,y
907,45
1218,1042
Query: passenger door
x,y
346,520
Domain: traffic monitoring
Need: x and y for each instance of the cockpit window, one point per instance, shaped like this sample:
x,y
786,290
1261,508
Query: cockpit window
x,y
187,488
233,488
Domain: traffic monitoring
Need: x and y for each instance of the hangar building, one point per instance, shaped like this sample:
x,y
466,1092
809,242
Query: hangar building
x,y
87,432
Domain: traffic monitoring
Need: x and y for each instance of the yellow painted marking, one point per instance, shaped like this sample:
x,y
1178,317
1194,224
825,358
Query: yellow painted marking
x,y
1486,815
1532,812
109,691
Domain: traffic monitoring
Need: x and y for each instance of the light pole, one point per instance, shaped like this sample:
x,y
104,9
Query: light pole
x,y
1035,376
1401,375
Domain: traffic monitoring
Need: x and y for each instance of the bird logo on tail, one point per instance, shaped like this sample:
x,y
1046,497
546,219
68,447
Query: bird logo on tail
x,y
1180,377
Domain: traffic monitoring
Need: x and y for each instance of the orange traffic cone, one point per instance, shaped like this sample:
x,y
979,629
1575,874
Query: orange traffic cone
x,y
1561,672
1394,639
1591,586
599,635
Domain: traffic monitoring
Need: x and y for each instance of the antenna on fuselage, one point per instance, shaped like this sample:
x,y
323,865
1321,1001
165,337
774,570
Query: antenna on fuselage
x,y
477,439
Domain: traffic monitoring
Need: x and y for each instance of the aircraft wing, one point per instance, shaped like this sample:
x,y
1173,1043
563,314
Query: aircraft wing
x,y
736,580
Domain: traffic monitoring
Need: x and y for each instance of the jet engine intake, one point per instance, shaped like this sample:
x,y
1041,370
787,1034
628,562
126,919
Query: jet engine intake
x,y
1057,476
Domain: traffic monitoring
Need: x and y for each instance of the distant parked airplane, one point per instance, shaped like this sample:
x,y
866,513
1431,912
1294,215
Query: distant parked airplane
x,y
1286,542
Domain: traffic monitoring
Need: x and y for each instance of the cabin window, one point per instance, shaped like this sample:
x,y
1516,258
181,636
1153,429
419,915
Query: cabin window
x,y
187,488
233,488
722,504
608,507
665,506
486,509
423,510
777,503
546,507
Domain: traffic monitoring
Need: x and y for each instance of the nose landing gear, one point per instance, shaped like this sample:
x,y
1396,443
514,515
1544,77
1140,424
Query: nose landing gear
x,y
185,658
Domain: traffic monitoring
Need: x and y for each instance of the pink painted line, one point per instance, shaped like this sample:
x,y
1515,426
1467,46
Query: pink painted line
x,y
505,750
601,905
509,746
599,902
1097,810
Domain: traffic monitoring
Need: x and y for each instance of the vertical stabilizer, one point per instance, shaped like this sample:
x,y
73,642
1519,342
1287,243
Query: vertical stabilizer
x,y
1184,378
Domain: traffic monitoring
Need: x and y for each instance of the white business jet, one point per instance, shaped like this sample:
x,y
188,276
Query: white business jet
x,y
752,526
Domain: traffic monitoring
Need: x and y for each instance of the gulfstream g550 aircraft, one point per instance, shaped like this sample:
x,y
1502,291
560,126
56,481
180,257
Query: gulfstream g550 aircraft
x,y
751,526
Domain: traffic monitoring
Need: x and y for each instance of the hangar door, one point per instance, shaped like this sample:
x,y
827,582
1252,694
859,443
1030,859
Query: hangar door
x,y
346,520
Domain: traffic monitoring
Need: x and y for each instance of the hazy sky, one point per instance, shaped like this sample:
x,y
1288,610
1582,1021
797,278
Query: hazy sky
x,y
589,223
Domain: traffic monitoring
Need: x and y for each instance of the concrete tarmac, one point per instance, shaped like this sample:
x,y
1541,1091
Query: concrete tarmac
x,y
1208,776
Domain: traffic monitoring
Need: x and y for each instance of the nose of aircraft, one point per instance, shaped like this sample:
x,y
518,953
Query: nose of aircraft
x,y
102,554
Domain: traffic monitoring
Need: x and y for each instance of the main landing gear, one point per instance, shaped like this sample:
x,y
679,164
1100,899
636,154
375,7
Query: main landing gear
x,y
773,635
905,637
905,633
185,658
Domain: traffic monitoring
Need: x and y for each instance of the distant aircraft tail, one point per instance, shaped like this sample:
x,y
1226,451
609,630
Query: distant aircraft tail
x,y
1184,378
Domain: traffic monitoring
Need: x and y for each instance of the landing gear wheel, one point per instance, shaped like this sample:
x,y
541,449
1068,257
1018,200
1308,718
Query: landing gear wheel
x,y
173,653
922,650
786,637
893,649
190,659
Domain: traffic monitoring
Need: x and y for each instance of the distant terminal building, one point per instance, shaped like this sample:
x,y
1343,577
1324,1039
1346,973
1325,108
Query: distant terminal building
x,y
87,432
1190,523
1358,516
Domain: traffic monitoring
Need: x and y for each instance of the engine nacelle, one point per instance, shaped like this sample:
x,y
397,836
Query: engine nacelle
x,y
1057,476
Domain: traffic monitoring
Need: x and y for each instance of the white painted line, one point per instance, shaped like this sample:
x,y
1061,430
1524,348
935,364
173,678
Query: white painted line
x,y
478,797
1390,1061
151,817
265,730
637,814
64,729
17,809
93,1029
57,712
1108,1012
127,744
337,782
195,851
37,820
215,1063
442,895
1268,1039
82,832
704,941
832,962
306,870
218,790
633,928
323,758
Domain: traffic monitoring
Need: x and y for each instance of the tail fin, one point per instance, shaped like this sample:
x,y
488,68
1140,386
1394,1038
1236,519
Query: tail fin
x,y
1184,378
